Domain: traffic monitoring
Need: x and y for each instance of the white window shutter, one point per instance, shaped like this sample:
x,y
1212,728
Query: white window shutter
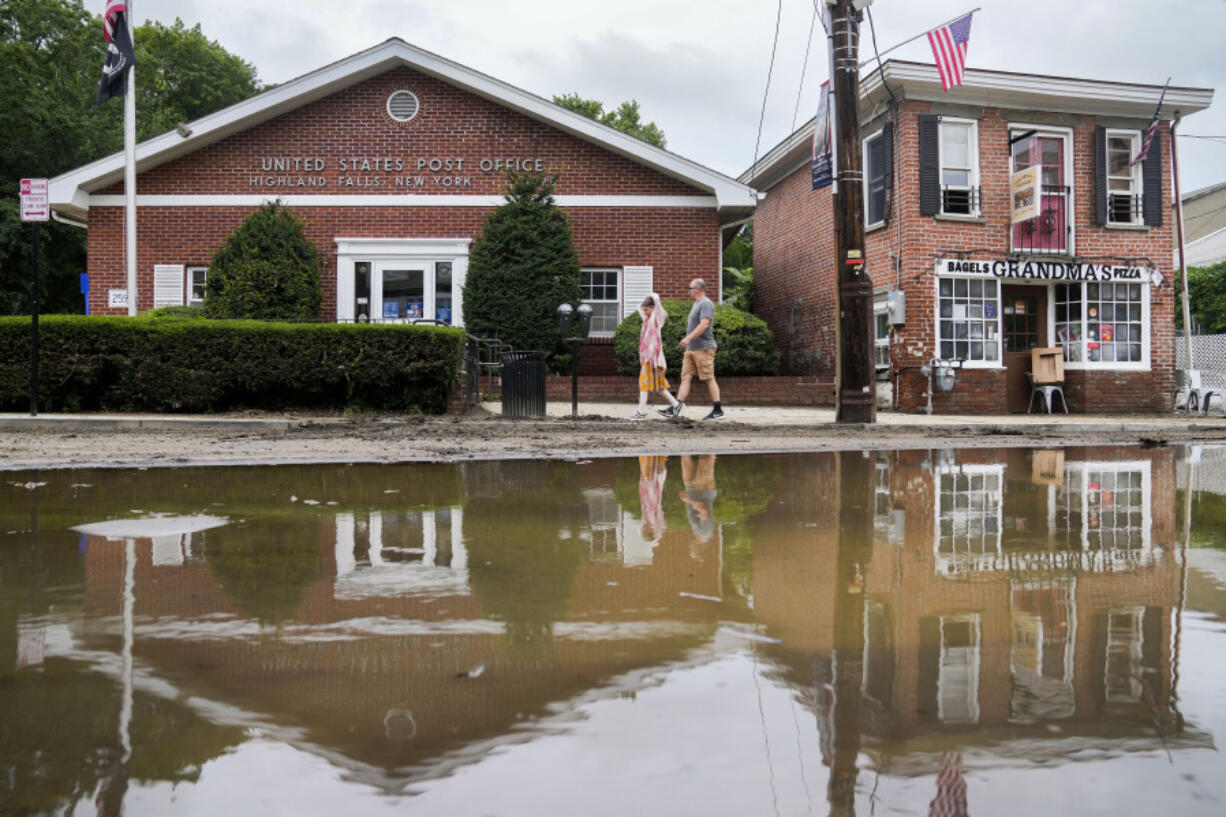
x,y
636,285
167,285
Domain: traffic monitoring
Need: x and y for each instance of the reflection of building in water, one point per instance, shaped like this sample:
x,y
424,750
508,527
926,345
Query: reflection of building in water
x,y
391,620
1002,599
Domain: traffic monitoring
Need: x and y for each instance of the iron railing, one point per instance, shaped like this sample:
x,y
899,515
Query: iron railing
x,y
1125,208
1051,232
959,201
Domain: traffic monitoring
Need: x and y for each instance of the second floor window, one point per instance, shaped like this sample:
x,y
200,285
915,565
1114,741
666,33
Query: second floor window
x,y
1124,203
1051,232
959,158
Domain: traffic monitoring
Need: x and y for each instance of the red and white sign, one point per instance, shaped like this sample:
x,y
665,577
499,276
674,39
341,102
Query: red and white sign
x,y
35,203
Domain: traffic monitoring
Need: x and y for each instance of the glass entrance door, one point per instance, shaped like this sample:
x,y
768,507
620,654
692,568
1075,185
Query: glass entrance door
x,y
399,293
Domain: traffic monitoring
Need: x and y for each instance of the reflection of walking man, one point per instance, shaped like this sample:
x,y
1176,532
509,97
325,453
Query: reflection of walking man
x,y
698,474
699,346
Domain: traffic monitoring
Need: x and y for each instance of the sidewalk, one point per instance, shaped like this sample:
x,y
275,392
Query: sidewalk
x,y
617,414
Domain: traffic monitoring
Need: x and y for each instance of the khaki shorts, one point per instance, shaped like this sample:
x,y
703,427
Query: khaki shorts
x,y
700,362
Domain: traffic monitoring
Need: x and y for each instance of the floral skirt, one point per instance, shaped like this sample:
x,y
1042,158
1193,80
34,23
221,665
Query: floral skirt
x,y
651,378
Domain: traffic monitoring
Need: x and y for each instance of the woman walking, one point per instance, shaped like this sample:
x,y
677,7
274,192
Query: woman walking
x,y
652,364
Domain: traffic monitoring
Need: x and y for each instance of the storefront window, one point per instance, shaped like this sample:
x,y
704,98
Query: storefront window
x,y
1100,322
969,324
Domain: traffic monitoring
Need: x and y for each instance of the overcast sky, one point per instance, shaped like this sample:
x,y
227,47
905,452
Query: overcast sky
x,y
699,69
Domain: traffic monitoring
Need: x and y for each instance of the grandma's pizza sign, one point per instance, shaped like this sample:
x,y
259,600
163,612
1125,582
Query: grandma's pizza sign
x,y
1047,270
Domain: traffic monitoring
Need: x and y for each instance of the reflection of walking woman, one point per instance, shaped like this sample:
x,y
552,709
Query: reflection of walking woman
x,y
652,364
653,471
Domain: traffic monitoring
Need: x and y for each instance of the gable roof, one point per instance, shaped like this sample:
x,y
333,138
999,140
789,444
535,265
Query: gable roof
x,y
999,89
70,192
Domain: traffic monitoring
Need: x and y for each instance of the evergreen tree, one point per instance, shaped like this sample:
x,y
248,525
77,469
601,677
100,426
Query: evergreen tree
x,y
523,265
266,269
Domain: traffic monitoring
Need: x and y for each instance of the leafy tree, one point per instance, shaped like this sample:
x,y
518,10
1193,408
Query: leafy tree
x,y
51,55
523,265
1206,299
738,270
625,117
266,269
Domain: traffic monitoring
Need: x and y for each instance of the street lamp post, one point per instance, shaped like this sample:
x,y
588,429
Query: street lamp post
x,y
574,341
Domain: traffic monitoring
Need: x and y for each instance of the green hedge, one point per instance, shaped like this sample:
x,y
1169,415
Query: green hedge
x,y
746,347
176,363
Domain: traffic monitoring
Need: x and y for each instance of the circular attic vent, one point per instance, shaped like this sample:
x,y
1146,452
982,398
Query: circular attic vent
x,y
402,106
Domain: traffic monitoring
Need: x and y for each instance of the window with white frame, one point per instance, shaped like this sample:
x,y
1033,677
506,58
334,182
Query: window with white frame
x,y
1122,675
881,336
196,277
969,500
1102,324
958,682
968,324
876,179
1103,508
1124,203
959,157
601,290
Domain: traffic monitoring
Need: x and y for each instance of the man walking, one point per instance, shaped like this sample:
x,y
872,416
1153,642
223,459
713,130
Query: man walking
x,y
699,346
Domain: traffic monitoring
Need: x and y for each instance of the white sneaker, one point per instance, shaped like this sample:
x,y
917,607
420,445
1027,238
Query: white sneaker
x,y
638,415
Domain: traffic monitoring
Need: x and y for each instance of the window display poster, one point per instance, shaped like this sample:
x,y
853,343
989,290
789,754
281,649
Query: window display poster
x,y
989,309
443,313
1108,331
391,309
412,309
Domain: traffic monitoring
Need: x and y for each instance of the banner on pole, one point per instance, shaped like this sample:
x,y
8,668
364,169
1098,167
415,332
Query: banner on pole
x,y
822,170
1025,189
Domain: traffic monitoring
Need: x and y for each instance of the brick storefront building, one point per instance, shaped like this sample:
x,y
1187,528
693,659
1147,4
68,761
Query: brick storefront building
x,y
394,157
1090,274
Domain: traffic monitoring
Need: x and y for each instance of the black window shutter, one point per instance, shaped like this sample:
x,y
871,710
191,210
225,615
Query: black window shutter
x,y
1100,175
887,136
929,166
1151,180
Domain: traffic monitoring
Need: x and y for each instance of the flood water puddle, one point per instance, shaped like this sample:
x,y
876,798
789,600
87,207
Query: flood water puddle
x,y
930,632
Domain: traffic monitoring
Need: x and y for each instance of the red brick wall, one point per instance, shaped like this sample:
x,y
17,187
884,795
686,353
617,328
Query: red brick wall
x,y
795,283
745,391
452,124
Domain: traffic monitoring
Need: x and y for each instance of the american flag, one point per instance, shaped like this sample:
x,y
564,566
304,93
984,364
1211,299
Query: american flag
x,y
951,788
109,17
1148,138
949,47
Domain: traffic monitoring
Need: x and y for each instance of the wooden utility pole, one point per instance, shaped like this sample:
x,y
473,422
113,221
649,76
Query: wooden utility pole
x,y
856,400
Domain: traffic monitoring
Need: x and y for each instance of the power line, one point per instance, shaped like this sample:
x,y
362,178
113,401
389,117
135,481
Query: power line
x,y
762,116
804,68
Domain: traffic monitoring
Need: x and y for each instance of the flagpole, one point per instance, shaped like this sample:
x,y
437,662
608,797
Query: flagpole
x,y
1183,264
129,170
917,36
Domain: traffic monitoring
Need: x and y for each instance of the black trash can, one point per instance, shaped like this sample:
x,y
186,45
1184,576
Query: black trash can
x,y
523,385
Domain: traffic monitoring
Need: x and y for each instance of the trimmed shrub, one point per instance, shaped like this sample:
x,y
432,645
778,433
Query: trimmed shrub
x,y
177,364
746,346
266,270
523,265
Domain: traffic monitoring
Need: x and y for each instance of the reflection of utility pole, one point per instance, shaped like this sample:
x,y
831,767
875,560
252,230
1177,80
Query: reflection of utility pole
x,y
857,398
855,537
